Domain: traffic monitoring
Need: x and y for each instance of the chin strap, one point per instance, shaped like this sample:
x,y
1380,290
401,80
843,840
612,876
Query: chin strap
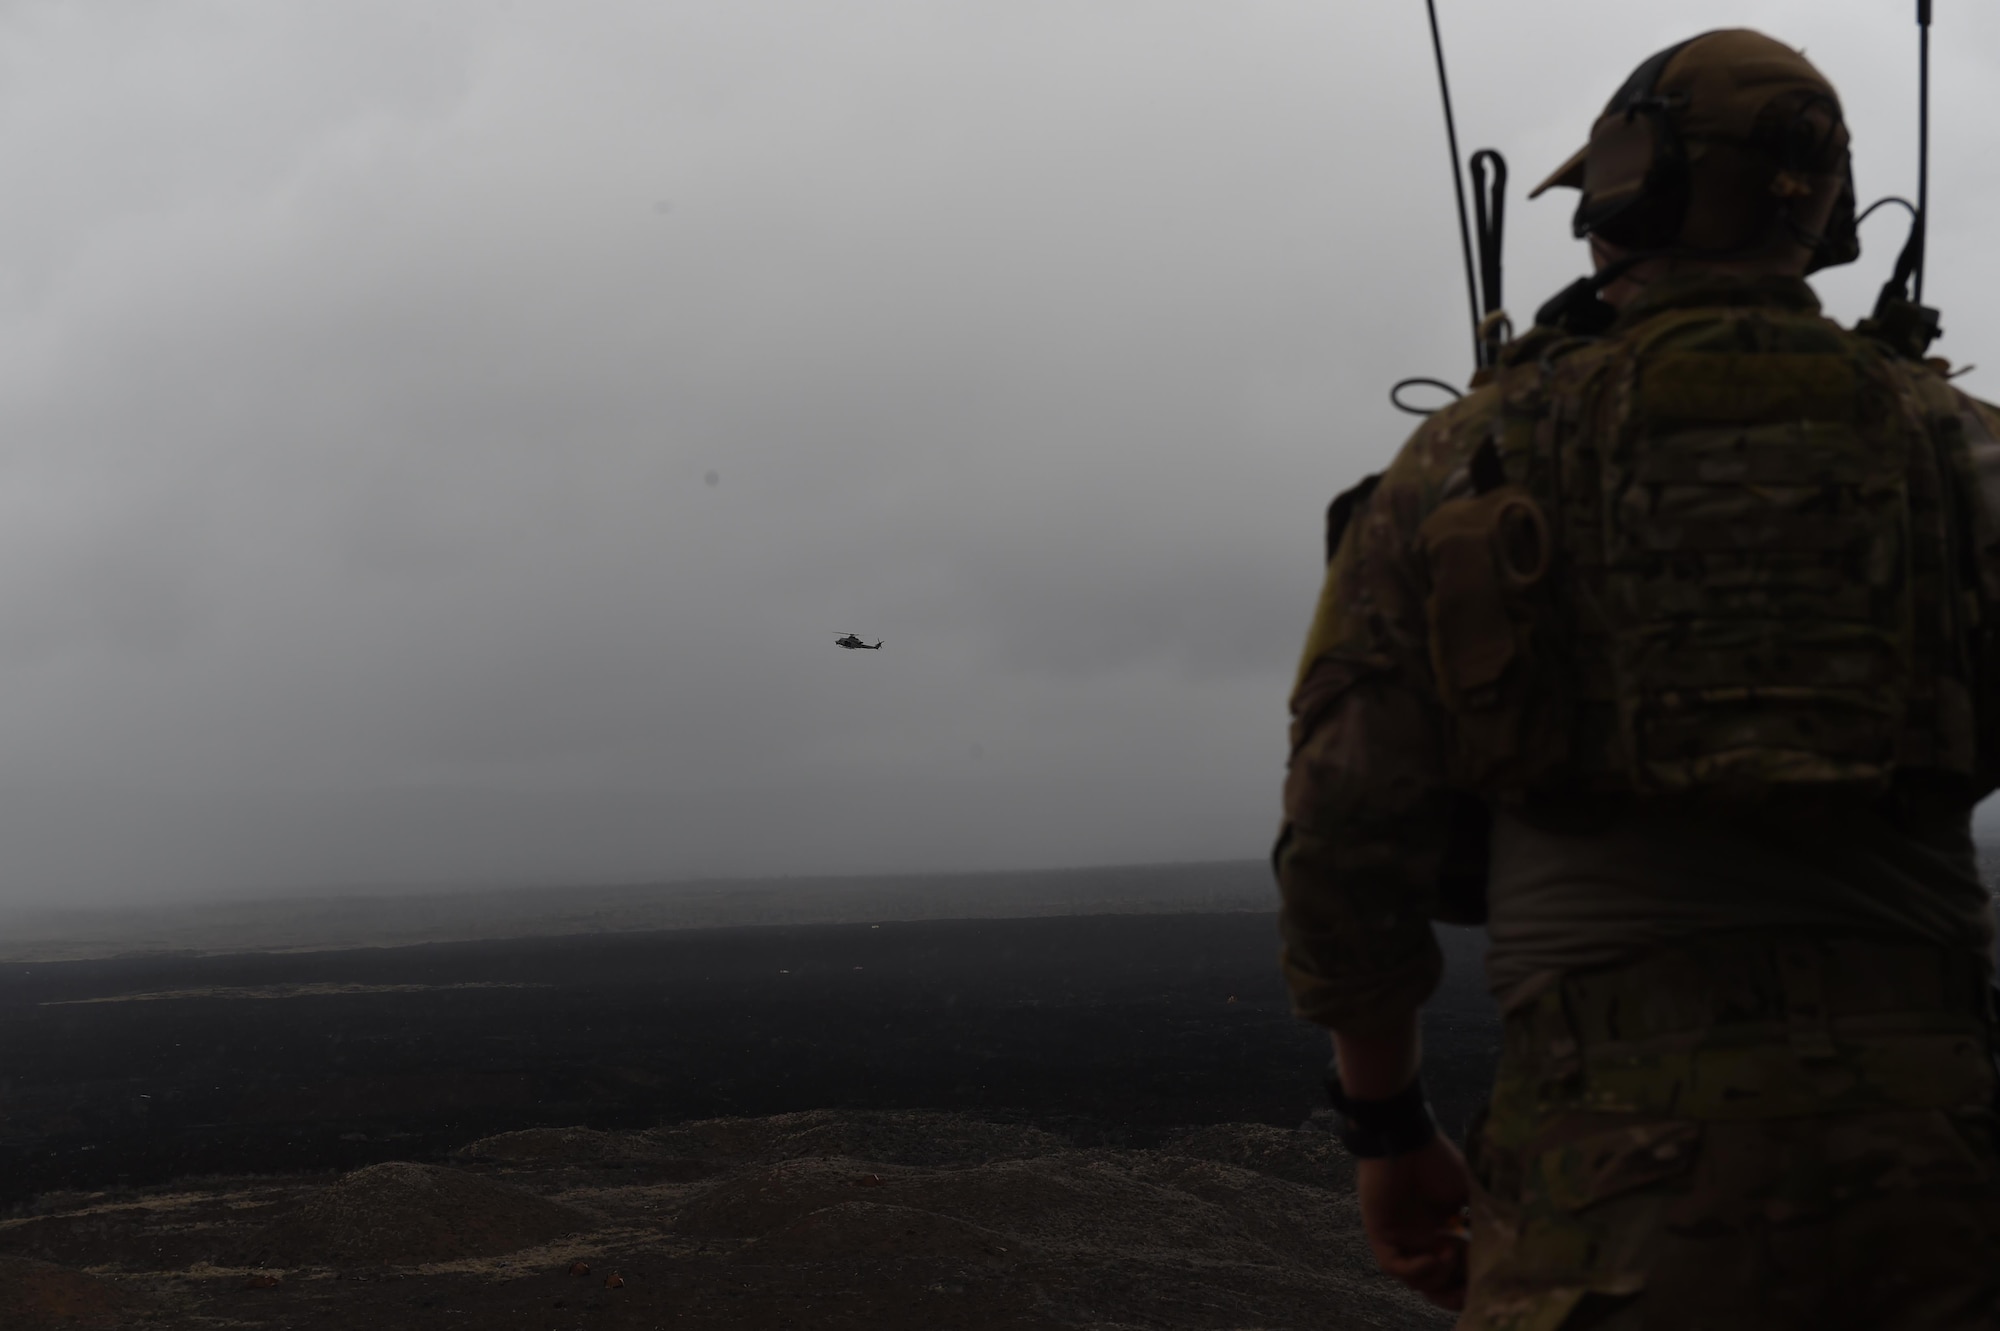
x,y
1578,309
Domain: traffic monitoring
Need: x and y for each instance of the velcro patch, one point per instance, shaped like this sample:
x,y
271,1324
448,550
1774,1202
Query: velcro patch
x,y
1767,386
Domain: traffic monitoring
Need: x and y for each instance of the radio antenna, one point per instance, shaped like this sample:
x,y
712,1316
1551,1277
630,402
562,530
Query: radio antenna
x,y
1923,141
1489,328
1458,186
1901,318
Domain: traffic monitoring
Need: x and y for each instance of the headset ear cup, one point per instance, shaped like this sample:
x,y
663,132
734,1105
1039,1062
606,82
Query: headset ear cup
x,y
1635,188
1615,170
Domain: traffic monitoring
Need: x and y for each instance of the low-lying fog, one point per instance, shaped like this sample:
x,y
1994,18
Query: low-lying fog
x,y
410,916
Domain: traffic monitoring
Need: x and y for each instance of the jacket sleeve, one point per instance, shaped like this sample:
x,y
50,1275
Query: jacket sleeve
x,y
1368,814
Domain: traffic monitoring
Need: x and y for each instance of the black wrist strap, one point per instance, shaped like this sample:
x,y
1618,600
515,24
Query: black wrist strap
x,y
1378,1129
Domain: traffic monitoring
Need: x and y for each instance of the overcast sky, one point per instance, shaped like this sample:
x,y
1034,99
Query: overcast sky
x,y
439,441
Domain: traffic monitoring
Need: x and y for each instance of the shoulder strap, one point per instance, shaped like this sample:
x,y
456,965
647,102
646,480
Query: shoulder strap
x,y
1340,513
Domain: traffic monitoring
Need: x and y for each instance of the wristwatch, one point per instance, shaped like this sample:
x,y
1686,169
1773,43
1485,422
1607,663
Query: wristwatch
x,y
1378,1129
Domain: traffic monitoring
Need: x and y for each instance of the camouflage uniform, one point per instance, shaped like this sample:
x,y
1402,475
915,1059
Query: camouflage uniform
x,y
1758,1129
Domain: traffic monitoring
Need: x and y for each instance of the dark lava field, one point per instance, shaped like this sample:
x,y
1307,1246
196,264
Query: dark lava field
x,y
1112,1030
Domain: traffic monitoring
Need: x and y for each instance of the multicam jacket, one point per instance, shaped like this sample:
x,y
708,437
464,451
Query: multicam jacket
x,y
1726,550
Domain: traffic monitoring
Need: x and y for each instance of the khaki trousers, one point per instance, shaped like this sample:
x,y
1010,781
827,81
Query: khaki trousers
x,y
1745,1133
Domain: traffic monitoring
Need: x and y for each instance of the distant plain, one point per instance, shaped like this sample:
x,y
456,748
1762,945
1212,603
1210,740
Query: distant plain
x,y
190,1096
379,918
273,1112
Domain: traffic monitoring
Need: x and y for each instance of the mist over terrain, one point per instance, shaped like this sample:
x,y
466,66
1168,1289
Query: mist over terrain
x,y
408,918
439,443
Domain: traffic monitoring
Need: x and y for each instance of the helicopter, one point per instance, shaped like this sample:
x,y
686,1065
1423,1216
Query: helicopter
x,y
852,641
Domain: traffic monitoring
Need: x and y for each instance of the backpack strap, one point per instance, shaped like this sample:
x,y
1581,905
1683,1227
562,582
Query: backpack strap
x,y
1340,513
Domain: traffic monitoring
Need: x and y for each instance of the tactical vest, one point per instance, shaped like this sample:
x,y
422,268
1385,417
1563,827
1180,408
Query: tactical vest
x,y
1727,552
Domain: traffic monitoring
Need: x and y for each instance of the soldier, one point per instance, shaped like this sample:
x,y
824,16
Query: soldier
x,y
1672,652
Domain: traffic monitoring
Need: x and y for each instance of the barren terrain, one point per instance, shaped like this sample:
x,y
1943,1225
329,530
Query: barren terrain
x,y
831,1219
1083,1122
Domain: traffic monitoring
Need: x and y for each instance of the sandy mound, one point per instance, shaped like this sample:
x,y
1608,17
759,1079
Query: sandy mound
x,y
1314,1158
35,1295
868,1229
550,1146
1124,1206
1226,1226
404,1214
932,1141
876,1221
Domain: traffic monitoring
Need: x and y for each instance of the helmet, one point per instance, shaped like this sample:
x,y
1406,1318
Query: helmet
x,y
1724,144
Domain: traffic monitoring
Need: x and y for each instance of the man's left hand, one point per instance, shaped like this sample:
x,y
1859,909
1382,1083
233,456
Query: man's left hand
x,y
1414,1209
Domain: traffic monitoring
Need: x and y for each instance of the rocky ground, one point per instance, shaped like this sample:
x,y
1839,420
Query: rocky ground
x,y
1034,1123
825,1219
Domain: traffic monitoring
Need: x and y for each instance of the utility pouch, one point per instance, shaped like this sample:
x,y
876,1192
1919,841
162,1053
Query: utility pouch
x,y
1486,554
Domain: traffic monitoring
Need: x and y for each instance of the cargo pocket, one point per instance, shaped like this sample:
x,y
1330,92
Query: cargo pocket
x,y
1585,1227
1496,1218
1581,1173
1494,1168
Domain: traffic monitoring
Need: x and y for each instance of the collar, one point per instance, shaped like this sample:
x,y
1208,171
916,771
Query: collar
x,y
1710,290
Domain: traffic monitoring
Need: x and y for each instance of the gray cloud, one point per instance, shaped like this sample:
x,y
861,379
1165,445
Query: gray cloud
x,y
358,397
